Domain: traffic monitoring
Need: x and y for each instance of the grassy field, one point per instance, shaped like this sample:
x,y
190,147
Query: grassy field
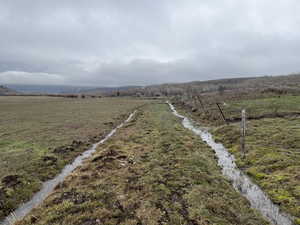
x,y
272,142
153,171
263,108
272,159
39,135
273,149
270,107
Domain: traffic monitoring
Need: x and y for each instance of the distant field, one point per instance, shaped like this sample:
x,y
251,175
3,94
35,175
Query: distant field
x,y
39,135
264,107
153,171
270,107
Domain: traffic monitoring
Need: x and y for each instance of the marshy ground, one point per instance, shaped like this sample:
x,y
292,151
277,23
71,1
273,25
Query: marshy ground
x,y
272,144
40,135
153,171
272,159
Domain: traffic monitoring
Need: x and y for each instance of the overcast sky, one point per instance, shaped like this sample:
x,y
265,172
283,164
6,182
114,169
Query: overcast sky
x,y
139,42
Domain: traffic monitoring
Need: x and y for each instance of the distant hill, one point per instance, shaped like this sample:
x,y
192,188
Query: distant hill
x,y
47,89
111,90
287,83
7,91
61,89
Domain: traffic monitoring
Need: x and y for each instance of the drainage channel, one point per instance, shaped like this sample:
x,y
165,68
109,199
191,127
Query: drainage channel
x,y
240,181
49,185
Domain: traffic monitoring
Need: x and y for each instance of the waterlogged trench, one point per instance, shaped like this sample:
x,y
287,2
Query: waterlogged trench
x,y
49,185
241,182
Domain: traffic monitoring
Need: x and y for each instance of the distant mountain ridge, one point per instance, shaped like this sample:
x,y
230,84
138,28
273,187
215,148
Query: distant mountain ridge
x,y
6,91
285,83
288,83
47,89
108,90
64,89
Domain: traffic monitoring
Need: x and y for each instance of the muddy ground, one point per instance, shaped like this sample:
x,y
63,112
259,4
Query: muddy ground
x,y
153,171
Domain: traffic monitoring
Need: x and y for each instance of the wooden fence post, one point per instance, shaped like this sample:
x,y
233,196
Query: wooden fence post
x,y
223,116
243,132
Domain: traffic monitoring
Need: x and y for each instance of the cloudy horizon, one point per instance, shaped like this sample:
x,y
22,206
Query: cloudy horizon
x,y
142,42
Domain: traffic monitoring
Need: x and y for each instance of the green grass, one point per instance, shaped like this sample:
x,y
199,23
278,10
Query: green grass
x,y
264,107
269,107
153,171
272,159
39,135
273,143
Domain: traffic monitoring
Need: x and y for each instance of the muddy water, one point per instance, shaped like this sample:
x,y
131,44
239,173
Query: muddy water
x,y
240,181
49,186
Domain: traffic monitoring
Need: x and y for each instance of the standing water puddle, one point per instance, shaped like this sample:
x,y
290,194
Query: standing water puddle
x,y
242,183
49,186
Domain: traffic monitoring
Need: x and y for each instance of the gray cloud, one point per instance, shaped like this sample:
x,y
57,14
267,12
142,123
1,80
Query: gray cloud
x,y
112,42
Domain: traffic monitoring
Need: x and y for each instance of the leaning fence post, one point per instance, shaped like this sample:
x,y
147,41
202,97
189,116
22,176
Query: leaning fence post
x,y
243,132
222,114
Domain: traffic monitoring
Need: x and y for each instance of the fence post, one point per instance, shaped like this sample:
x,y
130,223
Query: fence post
x,y
222,114
243,132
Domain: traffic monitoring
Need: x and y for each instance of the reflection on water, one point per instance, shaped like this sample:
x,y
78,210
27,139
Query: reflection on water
x,y
240,181
49,186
